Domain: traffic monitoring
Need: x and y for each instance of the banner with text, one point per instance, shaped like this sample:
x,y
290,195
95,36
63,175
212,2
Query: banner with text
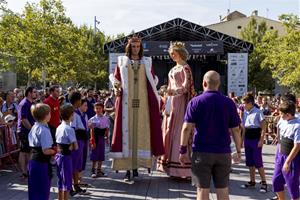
x,y
113,61
237,73
157,48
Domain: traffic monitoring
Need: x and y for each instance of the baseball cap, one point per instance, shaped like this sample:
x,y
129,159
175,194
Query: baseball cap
x,y
9,118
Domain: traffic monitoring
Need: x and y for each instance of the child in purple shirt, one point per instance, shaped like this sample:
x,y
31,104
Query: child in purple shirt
x,y
66,142
99,126
40,142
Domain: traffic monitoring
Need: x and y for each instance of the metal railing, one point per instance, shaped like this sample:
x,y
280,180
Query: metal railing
x,y
8,144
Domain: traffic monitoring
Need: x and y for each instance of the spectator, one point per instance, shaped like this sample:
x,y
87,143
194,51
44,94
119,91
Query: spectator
x,y
231,95
46,93
69,91
90,102
54,104
17,91
1,103
25,122
9,106
266,107
18,95
61,100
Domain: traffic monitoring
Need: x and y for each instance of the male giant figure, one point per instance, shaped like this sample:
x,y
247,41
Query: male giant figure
x,y
137,132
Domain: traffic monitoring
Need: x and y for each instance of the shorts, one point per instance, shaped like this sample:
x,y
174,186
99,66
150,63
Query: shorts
x,y
24,143
290,178
253,153
211,165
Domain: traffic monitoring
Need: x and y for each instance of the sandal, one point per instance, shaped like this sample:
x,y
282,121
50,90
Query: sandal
x,y
24,176
127,177
100,173
263,187
273,198
83,184
250,184
93,173
78,190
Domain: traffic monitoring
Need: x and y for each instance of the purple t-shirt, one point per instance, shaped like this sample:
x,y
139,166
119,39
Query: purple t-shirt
x,y
213,114
100,122
24,113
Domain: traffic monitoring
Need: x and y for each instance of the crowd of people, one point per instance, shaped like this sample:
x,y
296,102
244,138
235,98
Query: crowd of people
x,y
51,130
188,135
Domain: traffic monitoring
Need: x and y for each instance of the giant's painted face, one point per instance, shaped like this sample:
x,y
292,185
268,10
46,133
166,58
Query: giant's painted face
x,y
135,48
174,55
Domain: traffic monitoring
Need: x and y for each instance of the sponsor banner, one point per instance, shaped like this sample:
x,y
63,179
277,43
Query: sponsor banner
x,y
205,47
157,48
237,73
113,61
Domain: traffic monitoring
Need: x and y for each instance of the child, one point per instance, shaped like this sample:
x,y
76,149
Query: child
x,y
287,163
99,125
77,155
253,121
40,141
66,141
83,129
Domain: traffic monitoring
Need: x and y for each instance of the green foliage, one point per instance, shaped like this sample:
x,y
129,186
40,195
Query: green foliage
x,y
43,37
115,37
259,77
283,54
274,55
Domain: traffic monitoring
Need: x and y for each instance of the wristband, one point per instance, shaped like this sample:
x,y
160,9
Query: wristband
x,y
183,149
92,141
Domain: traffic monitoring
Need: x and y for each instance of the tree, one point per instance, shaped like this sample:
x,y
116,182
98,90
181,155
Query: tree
x,y
37,38
259,77
115,37
283,54
44,38
92,66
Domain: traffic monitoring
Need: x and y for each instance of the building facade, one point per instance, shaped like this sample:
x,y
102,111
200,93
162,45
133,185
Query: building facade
x,y
234,22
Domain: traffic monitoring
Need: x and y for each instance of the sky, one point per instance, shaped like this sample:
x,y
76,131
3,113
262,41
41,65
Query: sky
x,y
123,16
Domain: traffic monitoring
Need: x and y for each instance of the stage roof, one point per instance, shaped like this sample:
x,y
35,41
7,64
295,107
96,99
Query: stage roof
x,y
181,30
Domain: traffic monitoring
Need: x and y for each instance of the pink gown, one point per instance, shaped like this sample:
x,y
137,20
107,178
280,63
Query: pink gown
x,y
180,77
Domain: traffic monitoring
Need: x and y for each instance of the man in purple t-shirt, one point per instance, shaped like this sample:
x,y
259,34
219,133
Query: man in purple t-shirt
x,y
214,117
25,122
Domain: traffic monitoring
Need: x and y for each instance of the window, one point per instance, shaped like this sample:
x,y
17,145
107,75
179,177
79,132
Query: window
x,y
239,27
271,27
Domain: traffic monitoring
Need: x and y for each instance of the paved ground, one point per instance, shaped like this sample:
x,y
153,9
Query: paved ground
x,y
149,186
